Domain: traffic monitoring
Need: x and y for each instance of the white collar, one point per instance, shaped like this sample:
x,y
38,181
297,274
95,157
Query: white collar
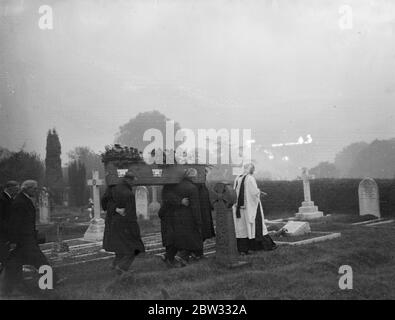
x,y
9,196
27,196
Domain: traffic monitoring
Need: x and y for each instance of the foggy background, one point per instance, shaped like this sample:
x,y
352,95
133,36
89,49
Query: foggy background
x,y
281,68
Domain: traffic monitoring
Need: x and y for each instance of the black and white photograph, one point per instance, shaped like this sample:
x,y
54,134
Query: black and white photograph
x,y
214,151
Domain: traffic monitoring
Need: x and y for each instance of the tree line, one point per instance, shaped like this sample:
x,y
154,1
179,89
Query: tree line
x,y
360,159
71,179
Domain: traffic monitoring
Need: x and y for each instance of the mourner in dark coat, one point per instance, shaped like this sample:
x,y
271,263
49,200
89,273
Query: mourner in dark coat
x,y
6,197
181,219
206,212
123,236
169,205
207,227
23,237
108,205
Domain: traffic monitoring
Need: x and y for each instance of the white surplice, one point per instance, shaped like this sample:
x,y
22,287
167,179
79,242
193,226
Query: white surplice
x,y
245,225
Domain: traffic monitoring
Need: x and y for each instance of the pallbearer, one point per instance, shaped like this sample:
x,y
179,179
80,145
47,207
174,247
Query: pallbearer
x,y
251,231
108,204
122,234
181,220
206,216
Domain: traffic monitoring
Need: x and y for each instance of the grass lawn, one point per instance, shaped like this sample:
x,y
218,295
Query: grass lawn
x,y
302,272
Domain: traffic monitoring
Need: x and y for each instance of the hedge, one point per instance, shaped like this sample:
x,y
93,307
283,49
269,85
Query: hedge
x,y
330,195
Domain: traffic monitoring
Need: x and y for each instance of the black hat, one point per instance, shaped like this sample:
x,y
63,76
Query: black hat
x,y
130,175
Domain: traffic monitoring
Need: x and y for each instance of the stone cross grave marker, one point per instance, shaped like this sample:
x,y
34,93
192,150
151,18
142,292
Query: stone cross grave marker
x,y
142,202
308,210
223,198
368,193
44,207
154,206
96,229
306,185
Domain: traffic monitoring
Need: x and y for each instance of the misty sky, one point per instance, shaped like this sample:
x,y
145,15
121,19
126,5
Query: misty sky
x,y
282,68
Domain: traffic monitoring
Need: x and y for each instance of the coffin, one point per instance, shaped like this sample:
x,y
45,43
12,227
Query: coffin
x,y
153,174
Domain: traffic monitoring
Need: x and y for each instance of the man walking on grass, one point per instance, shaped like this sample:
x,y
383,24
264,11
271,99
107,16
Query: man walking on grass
x,y
23,240
122,233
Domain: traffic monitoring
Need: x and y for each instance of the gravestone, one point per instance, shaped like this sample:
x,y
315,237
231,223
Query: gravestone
x,y
296,228
368,193
308,210
142,202
154,206
226,254
95,230
44,207
60,246
66,197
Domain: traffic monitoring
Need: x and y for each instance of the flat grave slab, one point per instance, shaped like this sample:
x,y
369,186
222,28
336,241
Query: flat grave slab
x,y
312,237
379,223
366,222
70,242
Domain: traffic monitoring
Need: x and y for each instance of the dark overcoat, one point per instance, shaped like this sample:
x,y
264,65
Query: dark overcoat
x,y
5,211
206,213
169,203
22,221
123,236
22,232
5,206
108,205
181,225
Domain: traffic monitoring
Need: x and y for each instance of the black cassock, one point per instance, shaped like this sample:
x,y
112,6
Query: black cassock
x,y
122,233
181,226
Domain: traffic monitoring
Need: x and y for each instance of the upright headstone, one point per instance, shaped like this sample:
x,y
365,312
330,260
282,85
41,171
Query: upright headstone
x,y
308,210
226,253
60,246
95,230
66,197
368,193
142,202
154,206
44,206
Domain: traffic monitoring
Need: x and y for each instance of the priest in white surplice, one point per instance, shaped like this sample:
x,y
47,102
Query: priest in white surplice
x,y
251,231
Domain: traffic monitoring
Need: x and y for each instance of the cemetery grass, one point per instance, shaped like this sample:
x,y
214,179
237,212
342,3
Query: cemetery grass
x,y
302,272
